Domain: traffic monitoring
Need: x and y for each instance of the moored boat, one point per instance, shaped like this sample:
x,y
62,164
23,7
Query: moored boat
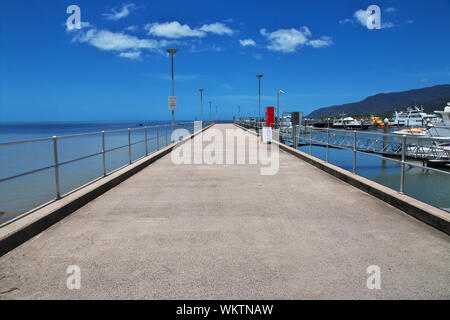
x,y
349,123
413,117
438,130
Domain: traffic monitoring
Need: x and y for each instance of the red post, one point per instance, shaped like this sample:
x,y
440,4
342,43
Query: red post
x,y
270,117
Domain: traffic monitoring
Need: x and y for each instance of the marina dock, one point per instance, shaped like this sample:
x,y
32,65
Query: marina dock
x,y
224,231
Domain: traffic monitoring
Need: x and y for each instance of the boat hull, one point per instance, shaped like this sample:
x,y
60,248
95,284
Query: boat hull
x,y
351,127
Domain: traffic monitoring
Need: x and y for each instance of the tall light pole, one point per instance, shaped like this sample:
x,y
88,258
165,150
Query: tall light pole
x,y
172,52
278,102
259,76
201,103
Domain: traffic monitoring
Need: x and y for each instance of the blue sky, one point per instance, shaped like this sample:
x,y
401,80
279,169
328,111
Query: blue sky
x,y
116,68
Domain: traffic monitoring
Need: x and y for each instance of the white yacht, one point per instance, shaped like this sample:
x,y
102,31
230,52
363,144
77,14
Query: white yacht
x,y
286,124
438,129
413,117
441,129
348,123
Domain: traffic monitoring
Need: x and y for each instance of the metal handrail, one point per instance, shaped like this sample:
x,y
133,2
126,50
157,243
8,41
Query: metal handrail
x,y
347,131
380,157
78,135
354,148
103,152
382,134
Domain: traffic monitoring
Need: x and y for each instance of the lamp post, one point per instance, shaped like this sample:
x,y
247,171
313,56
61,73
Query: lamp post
x,y
259,76
172,52
278,103
201,103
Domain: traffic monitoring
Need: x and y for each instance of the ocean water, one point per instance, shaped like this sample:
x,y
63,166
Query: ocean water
x,y
25,193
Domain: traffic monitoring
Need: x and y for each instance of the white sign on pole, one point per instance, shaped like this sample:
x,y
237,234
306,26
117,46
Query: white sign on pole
x,y
267,134
172,103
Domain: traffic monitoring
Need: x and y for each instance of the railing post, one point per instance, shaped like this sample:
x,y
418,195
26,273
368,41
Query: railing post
x,y
192,127
129,145
157,138
55,155
402,175
167,141
146,140
294,137
328,141
354,152
103,153
310,140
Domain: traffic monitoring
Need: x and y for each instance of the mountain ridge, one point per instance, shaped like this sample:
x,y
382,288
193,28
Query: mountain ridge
x,y
432,98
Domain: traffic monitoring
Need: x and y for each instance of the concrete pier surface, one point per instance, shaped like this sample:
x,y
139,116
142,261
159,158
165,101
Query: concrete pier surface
x,y
225,231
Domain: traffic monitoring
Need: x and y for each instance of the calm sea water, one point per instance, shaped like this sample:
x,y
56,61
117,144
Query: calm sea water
x,y
25,193
22,194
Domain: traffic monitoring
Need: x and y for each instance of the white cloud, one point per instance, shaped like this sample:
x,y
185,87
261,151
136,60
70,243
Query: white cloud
x,y
173,30
132,28
83,25
390,10
217,28
247,43
125,45
132,47
285,40
361,16
176,30
133,55
288,40
116,41
122,13
321,43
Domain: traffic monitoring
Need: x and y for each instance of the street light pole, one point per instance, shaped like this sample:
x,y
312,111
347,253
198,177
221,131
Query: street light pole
x,y
259,76
278,103
172,52
201,103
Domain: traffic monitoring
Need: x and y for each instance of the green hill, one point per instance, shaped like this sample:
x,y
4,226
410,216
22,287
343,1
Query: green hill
x,y
432,98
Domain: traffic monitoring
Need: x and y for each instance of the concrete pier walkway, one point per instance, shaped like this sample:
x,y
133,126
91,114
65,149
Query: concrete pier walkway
x,y
228,232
